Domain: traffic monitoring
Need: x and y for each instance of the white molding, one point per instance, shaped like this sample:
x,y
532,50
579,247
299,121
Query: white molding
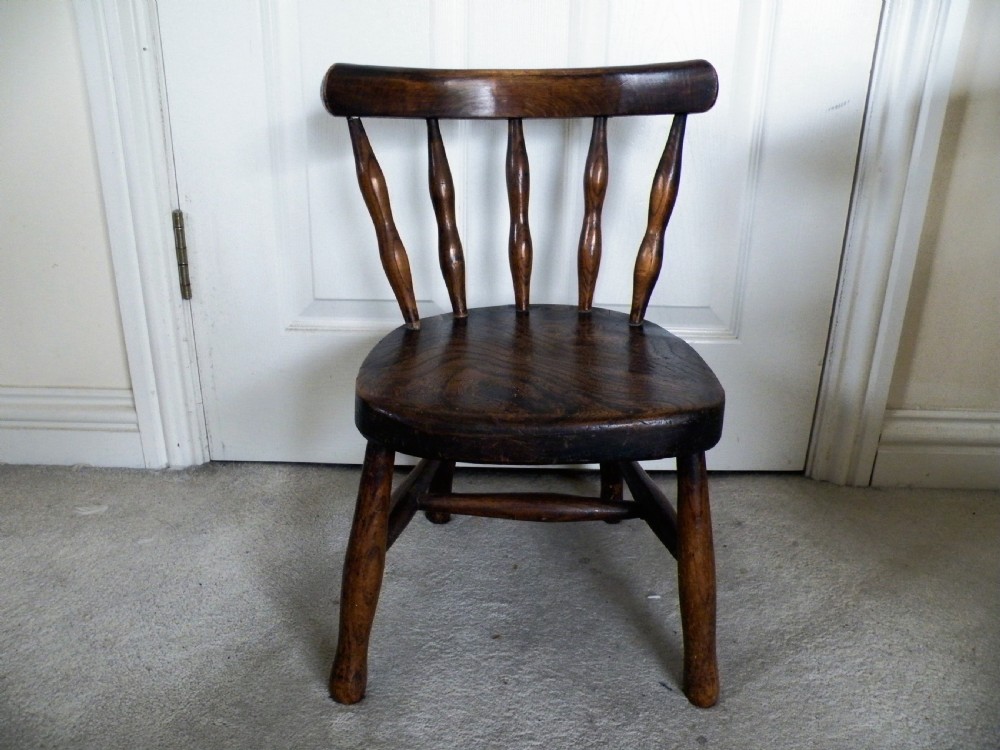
x,y
914,65
939,449
120,51
70,408
954,428
96,426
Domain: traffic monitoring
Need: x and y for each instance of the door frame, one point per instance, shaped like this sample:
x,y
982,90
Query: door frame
x,y
915,59
121,59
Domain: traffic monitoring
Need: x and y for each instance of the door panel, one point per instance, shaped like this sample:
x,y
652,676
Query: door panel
x,y
289,292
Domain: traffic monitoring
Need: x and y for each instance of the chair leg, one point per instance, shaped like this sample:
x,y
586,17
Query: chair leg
x,y
441,485
612,487
696,581
363,566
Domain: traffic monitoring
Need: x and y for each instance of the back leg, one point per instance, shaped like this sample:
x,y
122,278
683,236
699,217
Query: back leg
x,y
362,581
441,485
696,581
612,488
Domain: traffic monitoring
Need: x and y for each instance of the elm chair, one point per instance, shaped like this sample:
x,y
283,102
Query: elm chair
x,y
529,384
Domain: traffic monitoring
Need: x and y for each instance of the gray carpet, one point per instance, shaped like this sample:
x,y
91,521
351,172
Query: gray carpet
x,y
197,609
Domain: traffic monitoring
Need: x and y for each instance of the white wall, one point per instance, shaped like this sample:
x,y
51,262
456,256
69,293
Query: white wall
x,y
64,384
943,423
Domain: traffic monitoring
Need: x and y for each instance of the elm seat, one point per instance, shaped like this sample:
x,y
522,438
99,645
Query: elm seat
x,y
552,385
529,384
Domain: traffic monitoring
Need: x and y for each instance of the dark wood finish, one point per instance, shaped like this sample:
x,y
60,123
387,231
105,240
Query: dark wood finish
x,y
441,486
518,187
529,384
550,387
390,246
531,506
371,91
437,516
661,205
595,185
696,580
678,88
362,581
657,511
406,498
450,254
611,482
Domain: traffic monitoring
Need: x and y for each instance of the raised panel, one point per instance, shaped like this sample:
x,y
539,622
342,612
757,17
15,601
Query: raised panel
x,y
346,285
326,230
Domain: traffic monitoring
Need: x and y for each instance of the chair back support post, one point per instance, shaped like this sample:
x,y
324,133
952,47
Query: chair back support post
x,y
662,197
390,246
450,254
518,186
595,185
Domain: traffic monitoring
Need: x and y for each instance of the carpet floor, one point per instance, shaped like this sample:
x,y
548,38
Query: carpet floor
x,y
198,609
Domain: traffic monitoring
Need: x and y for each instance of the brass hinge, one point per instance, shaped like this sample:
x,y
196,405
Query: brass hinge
x,y
180,245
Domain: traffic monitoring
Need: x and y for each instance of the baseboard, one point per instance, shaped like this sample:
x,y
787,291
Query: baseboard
x,y
959,449
66,426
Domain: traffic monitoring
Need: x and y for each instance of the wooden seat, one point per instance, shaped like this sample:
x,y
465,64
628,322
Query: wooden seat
x,y
529,384
551,386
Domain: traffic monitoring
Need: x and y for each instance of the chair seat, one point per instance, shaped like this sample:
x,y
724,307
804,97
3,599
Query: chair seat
x,y
548,386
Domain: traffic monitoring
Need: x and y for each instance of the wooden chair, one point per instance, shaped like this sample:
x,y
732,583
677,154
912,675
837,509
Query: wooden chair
x,y
529,384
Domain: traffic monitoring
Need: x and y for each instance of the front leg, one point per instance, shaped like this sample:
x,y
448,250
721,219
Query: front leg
x,y
696,581
363,567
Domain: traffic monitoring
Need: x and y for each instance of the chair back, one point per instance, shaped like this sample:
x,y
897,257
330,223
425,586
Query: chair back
x,y
356,91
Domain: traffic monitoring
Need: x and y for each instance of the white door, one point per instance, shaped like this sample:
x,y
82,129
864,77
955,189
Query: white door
x,y
288,290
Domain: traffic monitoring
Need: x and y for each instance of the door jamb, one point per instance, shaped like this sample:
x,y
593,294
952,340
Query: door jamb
x,y
915,59
120,52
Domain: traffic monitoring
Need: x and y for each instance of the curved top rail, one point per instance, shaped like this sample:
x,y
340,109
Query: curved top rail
x,y
664,88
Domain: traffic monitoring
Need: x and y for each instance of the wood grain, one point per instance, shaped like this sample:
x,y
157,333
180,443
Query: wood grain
x,y
696,580
553,386
657,511
664,88
390,246
441,485
595,186
362,579
518,187
661,204
531,506
529,384
450,255
406,497
611,482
